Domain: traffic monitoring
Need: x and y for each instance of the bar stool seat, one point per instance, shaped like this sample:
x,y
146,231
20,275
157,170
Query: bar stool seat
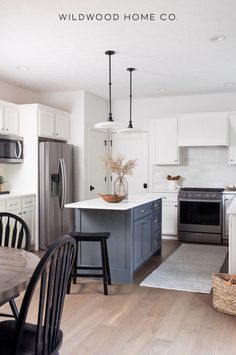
x,y
105,268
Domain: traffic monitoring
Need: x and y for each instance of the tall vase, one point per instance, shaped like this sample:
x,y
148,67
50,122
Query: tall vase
x,y
121,186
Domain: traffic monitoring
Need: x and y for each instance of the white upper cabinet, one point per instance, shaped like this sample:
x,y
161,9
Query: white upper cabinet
x,y
166,141
232,138
53,125
46,123
2,126
61,126
203,129
9,118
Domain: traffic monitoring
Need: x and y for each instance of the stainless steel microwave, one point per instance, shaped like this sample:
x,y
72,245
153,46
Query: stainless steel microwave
x,y
11,149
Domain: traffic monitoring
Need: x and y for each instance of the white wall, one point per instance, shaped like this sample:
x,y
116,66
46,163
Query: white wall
x,y
16,94
199,166
149,108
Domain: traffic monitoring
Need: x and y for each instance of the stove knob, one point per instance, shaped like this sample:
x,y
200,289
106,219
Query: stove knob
x,y
190,195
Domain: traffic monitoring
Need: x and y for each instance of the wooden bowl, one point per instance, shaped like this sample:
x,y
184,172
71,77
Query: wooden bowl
x,y
112,198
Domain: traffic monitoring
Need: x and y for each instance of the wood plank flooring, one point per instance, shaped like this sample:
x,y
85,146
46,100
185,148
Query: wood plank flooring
x,y
143,321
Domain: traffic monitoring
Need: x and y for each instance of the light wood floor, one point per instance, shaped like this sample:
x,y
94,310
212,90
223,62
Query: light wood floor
x,y
140,320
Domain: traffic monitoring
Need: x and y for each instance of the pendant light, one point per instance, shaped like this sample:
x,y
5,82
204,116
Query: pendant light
x,y
130,128
109,124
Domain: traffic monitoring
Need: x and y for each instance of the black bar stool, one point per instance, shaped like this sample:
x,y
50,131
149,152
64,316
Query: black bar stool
x,y
92,237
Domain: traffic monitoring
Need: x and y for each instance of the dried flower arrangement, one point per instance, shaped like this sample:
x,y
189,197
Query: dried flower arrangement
x,y
118,166
2,180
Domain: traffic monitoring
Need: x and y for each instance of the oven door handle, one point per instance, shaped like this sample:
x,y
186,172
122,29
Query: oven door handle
x,y
193,200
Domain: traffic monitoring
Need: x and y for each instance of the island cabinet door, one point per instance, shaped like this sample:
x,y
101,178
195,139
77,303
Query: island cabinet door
x,y
143,243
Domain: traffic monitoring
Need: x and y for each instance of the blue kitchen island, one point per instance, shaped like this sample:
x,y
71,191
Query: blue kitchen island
x,y
135,227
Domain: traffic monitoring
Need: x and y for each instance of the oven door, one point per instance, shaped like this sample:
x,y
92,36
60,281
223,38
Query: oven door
x,y
200,216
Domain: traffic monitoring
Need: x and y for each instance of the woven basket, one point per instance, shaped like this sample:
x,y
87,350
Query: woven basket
x,y
224,293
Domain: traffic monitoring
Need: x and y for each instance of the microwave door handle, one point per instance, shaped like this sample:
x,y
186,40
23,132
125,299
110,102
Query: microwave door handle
x,y
20,150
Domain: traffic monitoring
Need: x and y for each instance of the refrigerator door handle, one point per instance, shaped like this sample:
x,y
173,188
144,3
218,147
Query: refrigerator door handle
x,y
64,180
62,189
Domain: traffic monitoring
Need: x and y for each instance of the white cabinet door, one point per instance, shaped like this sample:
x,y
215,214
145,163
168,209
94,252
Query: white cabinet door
x,y
61,127
166,141
11,120
2,125
133,146
228,199
189,130
28,215
232,244
97,176
169,218
46,124
232,139
203,129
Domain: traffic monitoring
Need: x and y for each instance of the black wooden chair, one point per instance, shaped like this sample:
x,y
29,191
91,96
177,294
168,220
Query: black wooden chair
x,y
14,233
52,274
105,268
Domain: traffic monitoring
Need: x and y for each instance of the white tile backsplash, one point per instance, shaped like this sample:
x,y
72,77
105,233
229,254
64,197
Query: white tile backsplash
x,y
199,167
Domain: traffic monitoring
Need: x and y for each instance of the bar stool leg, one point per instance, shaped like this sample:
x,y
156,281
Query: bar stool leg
x,y
104,267
108,266
74,268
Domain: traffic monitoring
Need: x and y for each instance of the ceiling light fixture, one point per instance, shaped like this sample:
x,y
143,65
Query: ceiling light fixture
x,y
130,128
109,124
162,89
218,38
23,68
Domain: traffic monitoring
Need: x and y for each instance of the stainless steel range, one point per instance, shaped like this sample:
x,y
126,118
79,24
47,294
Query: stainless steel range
x,y
200,215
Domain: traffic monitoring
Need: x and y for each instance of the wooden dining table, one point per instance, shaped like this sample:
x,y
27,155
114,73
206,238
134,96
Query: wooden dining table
x,y
16,269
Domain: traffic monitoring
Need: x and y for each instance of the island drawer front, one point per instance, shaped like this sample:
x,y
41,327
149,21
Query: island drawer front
x,y
156,223
143,210
157,206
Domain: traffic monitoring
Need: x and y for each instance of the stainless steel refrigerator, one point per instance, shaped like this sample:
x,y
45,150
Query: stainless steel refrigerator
x,y
56,188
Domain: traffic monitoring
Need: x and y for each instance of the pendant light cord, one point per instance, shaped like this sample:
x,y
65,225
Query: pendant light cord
x,y
130,97
110,53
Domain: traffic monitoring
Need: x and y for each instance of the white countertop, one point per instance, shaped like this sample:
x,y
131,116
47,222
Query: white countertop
x,y
228,192
13,195
98,203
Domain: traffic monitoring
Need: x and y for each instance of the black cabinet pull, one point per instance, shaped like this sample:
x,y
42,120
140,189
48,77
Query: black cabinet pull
x,y
145,185
91,188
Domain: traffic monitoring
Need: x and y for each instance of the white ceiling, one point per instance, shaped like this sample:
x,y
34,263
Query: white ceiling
x,y
65,56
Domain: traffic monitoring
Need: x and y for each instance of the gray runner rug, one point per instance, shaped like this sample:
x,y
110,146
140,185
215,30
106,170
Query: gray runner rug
x,y
189,268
